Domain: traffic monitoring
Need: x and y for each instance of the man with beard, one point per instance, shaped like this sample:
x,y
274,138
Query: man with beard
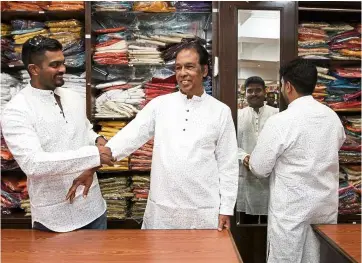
x,y
298,149
194,164
253,193
47,131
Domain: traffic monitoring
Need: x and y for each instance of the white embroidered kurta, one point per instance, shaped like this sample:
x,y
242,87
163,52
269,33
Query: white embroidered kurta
x,y
194,173
298,148
53,150
253,192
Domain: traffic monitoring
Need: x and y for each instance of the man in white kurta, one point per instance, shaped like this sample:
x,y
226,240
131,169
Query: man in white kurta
x,y
53,145
253,193
298,149
194,165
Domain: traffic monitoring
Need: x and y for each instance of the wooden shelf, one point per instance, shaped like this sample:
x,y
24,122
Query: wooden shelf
x,y
125,173
41,15
354,218
354,110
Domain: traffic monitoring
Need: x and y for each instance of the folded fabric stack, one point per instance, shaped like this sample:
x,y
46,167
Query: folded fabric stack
x,y
312,40
345,42
24,5
110,128
13,191
144,52
111,48
70,34
207,83
194,6
114,6
141,160
119,100
116,192
65,6
154,6
345,92
10,86
140,186
7,159
350,190
351,150
76,83
25,205
320,91
24,78
157,87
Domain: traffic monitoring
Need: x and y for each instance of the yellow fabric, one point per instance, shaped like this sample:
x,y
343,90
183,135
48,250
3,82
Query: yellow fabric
x,y
65,29
63,23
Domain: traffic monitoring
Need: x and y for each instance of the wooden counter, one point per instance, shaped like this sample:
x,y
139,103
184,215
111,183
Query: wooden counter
x,y
94,246
339,243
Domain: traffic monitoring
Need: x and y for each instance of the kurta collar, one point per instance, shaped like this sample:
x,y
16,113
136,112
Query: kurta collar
x,y
300,101
194,98
43,93
261,110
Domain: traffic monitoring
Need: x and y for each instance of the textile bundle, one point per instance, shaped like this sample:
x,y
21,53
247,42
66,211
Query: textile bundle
x,y
116,192
140,187
351,149
76,83
323,41
10,86
350,189
141,160
13,191
115,6
7,159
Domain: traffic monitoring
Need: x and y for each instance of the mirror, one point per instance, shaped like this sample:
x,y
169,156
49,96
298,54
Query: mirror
x,y
258,99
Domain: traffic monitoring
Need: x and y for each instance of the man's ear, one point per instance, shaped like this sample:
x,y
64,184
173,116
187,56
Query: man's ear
x,y
33,69
205,70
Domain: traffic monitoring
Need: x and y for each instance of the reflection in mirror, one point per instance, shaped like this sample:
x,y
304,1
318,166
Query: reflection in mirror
x,y
258,96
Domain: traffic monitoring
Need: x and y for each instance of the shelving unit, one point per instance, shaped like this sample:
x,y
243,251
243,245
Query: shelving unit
x,y
334,12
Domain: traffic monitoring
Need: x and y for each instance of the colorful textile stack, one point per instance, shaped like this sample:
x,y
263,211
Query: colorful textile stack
x,y
345,42
65,6
111,49
144,52
119,100
351,150
108,130
312,40
157,87
141,160
8,55
13,191
323,40
154,6
320,91
25,205
114,6
140,186
350,189
345,92
70,34
24,5
116,192
194,6
7,159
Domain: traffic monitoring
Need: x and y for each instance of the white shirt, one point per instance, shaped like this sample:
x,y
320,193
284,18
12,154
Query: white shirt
x,y
194,173
253,192
298,148
53,150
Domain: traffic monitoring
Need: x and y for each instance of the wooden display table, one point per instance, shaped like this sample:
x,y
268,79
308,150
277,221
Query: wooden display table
x,y
94,246
339,243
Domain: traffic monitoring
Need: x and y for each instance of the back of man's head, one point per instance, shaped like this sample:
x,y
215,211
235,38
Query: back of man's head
x,y
35,48
301,74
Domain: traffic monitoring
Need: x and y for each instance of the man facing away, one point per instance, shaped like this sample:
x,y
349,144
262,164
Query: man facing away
x,y
298,149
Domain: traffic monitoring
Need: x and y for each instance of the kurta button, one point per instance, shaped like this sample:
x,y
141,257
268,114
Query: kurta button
x,y
56,104
186,120
187,110
184,130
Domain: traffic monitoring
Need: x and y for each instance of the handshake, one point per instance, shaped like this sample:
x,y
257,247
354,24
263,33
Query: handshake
x,y
105,155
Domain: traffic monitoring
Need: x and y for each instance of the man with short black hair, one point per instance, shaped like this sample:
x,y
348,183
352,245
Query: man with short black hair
x,y
298,149
253,193
47,130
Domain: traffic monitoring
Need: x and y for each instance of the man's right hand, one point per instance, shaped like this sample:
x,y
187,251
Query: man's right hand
x,y
246,161
105,154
